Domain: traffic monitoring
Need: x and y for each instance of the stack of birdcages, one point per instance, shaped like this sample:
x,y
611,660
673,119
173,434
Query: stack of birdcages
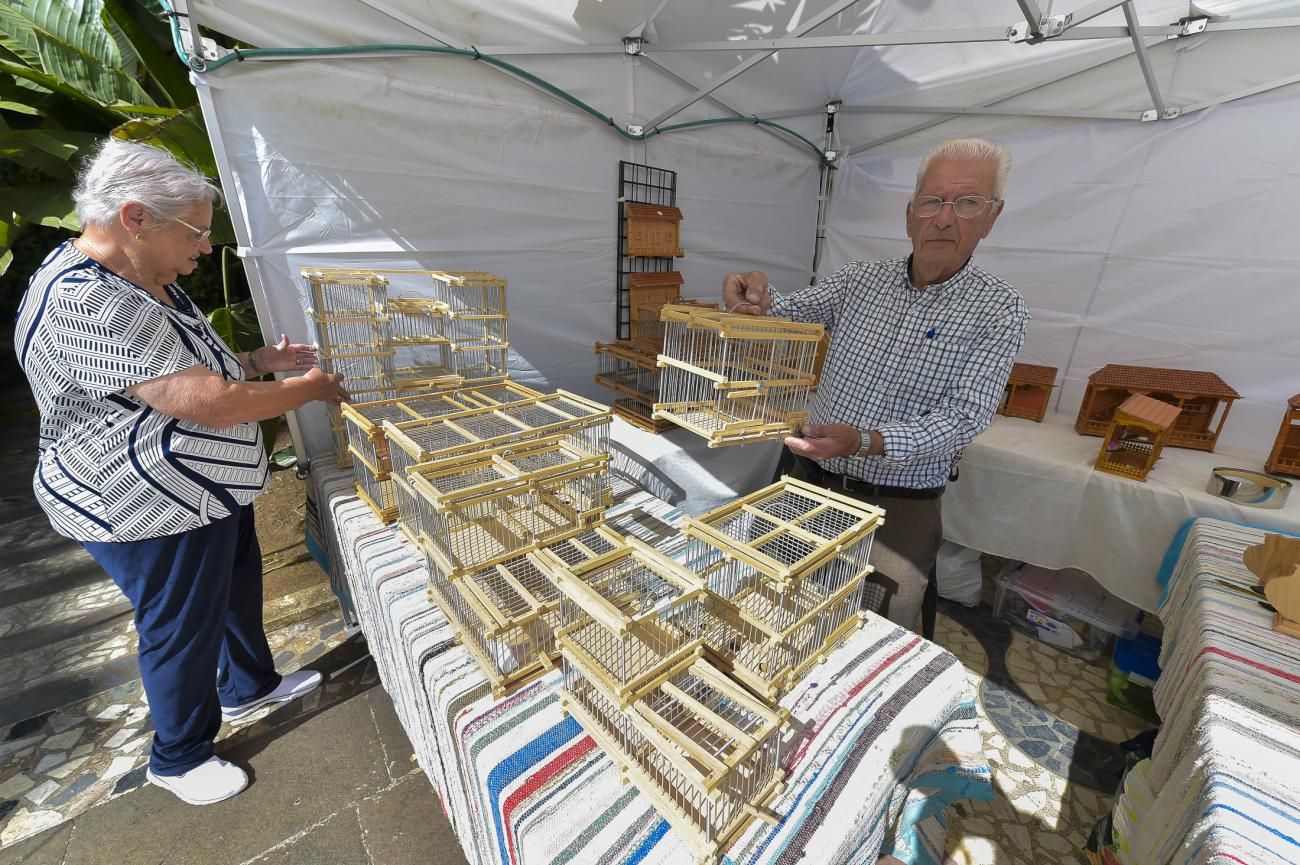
x,y
788,565
735,378
377,485
675,666
476,320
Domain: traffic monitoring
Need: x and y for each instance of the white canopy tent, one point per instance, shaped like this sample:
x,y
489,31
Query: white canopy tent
x,y
1148,213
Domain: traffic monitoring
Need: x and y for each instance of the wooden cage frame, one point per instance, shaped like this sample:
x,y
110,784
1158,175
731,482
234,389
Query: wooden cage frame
x,y
1145,413
1284,458
1028,391
1196,393
709,822
482,508
646,644
510,609
726,528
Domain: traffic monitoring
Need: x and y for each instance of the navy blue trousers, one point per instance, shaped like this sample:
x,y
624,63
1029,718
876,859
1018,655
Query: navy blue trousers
x,y
198,612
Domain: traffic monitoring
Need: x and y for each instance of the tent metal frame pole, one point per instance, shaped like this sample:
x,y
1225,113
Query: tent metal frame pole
x,y
742,68
1144,61
1117,52
1033,17
1008,112
1241,94
724,106
826,186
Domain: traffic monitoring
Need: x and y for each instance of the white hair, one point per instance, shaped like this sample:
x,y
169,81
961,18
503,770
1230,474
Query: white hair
x,y
120,171
969,149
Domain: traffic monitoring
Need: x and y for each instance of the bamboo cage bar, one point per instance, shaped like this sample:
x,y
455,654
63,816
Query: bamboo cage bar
x,y
628,617
705,753
735,378
647,325
790,531
484,508
583,422
510,610
470,294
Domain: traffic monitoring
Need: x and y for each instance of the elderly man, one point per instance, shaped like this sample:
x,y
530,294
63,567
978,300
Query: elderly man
x,y
920,353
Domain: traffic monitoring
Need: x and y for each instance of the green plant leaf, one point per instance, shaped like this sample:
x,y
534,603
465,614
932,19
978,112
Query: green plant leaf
x,y
50,151
183,133
94,112
67,39
223,322
143,32
46,203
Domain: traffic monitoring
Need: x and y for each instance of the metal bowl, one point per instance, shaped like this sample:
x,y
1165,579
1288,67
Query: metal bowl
x,y
1250,488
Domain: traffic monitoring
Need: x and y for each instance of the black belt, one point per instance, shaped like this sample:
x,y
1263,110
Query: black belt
x,y
819,475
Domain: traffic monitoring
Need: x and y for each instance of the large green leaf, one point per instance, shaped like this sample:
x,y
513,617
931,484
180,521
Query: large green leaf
x,y
46,203
49,151
67,40
183,134
92,111
143,29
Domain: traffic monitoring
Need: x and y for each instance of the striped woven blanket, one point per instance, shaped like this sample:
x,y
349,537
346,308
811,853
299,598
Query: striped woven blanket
x,y
1221,785
887,734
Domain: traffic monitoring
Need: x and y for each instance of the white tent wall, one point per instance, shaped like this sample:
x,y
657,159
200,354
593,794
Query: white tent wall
x,y
436,162
1149,244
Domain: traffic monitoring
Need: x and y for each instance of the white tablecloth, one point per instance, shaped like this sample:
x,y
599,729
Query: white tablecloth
x,y
1028,491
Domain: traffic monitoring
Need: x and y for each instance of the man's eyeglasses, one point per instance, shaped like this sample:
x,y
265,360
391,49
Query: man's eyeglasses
x,y
204,235
966,207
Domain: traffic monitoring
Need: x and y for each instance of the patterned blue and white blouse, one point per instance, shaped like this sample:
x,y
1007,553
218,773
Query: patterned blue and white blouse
x,y
926,369
111,467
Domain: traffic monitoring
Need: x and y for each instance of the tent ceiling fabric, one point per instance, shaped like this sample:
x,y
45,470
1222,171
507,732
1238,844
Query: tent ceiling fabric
x,y
1159,243
954,74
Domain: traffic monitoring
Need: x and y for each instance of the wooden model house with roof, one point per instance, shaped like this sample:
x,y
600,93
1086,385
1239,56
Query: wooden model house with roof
x,y
1028,390
1139,430
1285,458
653,230
1198,395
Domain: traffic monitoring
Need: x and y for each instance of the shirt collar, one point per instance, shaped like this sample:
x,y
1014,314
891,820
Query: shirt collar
x,y
939,288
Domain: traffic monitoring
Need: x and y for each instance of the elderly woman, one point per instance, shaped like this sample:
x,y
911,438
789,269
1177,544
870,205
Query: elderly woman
x,y
150,451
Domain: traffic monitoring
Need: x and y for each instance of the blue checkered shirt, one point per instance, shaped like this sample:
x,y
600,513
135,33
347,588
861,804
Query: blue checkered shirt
x,y
926,369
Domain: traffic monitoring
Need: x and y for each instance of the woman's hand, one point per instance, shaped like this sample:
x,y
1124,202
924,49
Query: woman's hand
x,y
284,356
327,387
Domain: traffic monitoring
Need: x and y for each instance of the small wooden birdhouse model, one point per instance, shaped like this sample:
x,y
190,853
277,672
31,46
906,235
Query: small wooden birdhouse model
x,y
1199,396
1139,430
1285,458
1029,388
652,230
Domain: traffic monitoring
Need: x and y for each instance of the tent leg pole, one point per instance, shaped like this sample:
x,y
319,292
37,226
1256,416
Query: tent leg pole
x,y
1135,32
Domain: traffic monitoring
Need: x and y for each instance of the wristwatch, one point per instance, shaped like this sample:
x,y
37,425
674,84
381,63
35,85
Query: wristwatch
x,y
863,449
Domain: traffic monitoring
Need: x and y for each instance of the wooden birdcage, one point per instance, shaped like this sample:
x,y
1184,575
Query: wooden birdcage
x,y
417,333
627,617
705,751
480,365
661,286
508,612
653,230
1028,391
1203,399
1139,430
647,321
483,508
1284,459
471,294
735,378
489,427
789,531
349,315
633,374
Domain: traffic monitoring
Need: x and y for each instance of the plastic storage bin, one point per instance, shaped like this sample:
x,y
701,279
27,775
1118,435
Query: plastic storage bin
x,y
1065,608
1134,668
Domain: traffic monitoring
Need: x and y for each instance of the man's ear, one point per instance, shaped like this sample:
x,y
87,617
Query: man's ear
x,y
907,219
997,211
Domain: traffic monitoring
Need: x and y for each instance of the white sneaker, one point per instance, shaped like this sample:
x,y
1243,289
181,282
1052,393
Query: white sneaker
x,y
291,687
212,781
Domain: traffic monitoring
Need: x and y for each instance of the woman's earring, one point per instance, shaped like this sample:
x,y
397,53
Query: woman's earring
x,y
139,237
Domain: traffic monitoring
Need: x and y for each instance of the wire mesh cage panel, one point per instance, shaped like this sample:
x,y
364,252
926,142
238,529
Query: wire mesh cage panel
x,y
705,752
477,332
485,508
640,413
627,369
726,417
583,422
349,315
379,495
768,635
416,333
511,612
627,616
471,293
478,365
788,531
648,325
